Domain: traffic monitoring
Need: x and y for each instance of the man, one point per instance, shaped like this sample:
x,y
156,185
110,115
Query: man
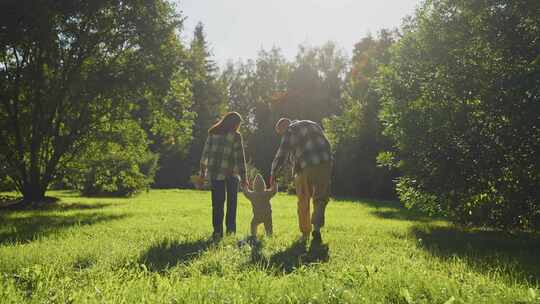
x,y
304,143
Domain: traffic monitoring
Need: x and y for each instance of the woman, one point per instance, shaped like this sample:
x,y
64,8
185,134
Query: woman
x,y
223,162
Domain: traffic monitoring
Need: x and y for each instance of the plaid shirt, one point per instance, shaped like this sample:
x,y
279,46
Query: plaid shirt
x,y
223,156
304,144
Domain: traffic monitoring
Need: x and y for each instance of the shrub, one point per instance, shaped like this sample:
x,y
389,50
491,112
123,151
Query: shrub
x,y
118,163
117,176
461,102
6,184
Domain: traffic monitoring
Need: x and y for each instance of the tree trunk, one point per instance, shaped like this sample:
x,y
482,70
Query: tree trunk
x,y
33,192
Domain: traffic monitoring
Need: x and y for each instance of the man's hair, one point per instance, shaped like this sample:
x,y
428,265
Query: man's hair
x,y
282,120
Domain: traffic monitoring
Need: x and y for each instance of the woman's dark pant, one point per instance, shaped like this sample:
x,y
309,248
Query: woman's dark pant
x,y
219,187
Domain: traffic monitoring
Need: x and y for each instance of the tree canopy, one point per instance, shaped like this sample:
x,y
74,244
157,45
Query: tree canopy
x,y
462,105
67,67
443,113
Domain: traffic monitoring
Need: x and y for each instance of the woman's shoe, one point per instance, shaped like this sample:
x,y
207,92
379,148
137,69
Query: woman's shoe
x,y
316,235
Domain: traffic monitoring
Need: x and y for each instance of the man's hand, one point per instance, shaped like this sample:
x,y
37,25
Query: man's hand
x,y
245,184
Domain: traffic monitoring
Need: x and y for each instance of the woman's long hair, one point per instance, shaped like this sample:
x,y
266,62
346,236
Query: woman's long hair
x,y
228,124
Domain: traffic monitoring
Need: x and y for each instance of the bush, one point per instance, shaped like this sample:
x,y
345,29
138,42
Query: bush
x,y
488,209
6,184
461,99
118,163
356,134
416,198
116,176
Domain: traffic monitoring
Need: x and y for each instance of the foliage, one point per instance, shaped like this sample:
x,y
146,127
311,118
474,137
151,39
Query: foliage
x,y
461,102
67,68
271,87
314,84
167,118
252,87
168,122
117,176
414,198
6,184
207,105
116,164
356,133
145,249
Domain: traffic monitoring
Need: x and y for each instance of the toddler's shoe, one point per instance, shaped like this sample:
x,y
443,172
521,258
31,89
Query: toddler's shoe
x,y
303,238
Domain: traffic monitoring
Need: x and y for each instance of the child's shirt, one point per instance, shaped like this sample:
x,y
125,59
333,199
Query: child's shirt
x,y
260,201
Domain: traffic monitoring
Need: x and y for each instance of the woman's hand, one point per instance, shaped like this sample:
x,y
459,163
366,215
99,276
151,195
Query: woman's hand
x,y
198,181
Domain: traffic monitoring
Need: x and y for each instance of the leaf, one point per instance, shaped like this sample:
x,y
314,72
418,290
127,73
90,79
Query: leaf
x,y
451,300
144,268
406,296
532,294
536,61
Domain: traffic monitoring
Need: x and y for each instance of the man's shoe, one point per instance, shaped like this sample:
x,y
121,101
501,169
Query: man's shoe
x,y
316,236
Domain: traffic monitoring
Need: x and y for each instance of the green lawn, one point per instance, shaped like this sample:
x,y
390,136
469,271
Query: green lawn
x,y
154,248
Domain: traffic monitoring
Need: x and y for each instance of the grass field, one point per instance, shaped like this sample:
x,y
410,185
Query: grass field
x,y
154,248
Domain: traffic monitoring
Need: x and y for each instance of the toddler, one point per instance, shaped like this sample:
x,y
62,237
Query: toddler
x,y
260,201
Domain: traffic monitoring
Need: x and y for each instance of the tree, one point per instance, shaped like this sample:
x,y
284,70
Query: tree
x,y
315,83
168,121
208,104
68,67
238,79
269,87
270,80
356,134
117,163
253,88
121,159
461,103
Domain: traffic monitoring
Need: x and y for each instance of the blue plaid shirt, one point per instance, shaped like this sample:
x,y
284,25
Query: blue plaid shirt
x,y
304,144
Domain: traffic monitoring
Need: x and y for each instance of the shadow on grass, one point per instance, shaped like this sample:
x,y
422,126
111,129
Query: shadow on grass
x,y
7,200
28,227
10,204
169,253
392,210
291,258
401,214
516,255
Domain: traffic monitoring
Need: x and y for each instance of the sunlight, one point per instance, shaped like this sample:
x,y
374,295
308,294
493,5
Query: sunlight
x,y
239,29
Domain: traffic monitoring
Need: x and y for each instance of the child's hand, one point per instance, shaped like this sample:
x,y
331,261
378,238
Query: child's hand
x,y
200,181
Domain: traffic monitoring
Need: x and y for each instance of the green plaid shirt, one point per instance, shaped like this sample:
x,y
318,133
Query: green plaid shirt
x,y
223,156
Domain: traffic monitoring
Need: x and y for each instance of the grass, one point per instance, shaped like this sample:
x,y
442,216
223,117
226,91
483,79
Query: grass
x,y
154,248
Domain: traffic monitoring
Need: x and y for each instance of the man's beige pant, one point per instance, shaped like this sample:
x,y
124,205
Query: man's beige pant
x,y
312,182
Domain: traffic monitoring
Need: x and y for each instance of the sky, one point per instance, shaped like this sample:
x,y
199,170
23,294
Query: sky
x,y
238,29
